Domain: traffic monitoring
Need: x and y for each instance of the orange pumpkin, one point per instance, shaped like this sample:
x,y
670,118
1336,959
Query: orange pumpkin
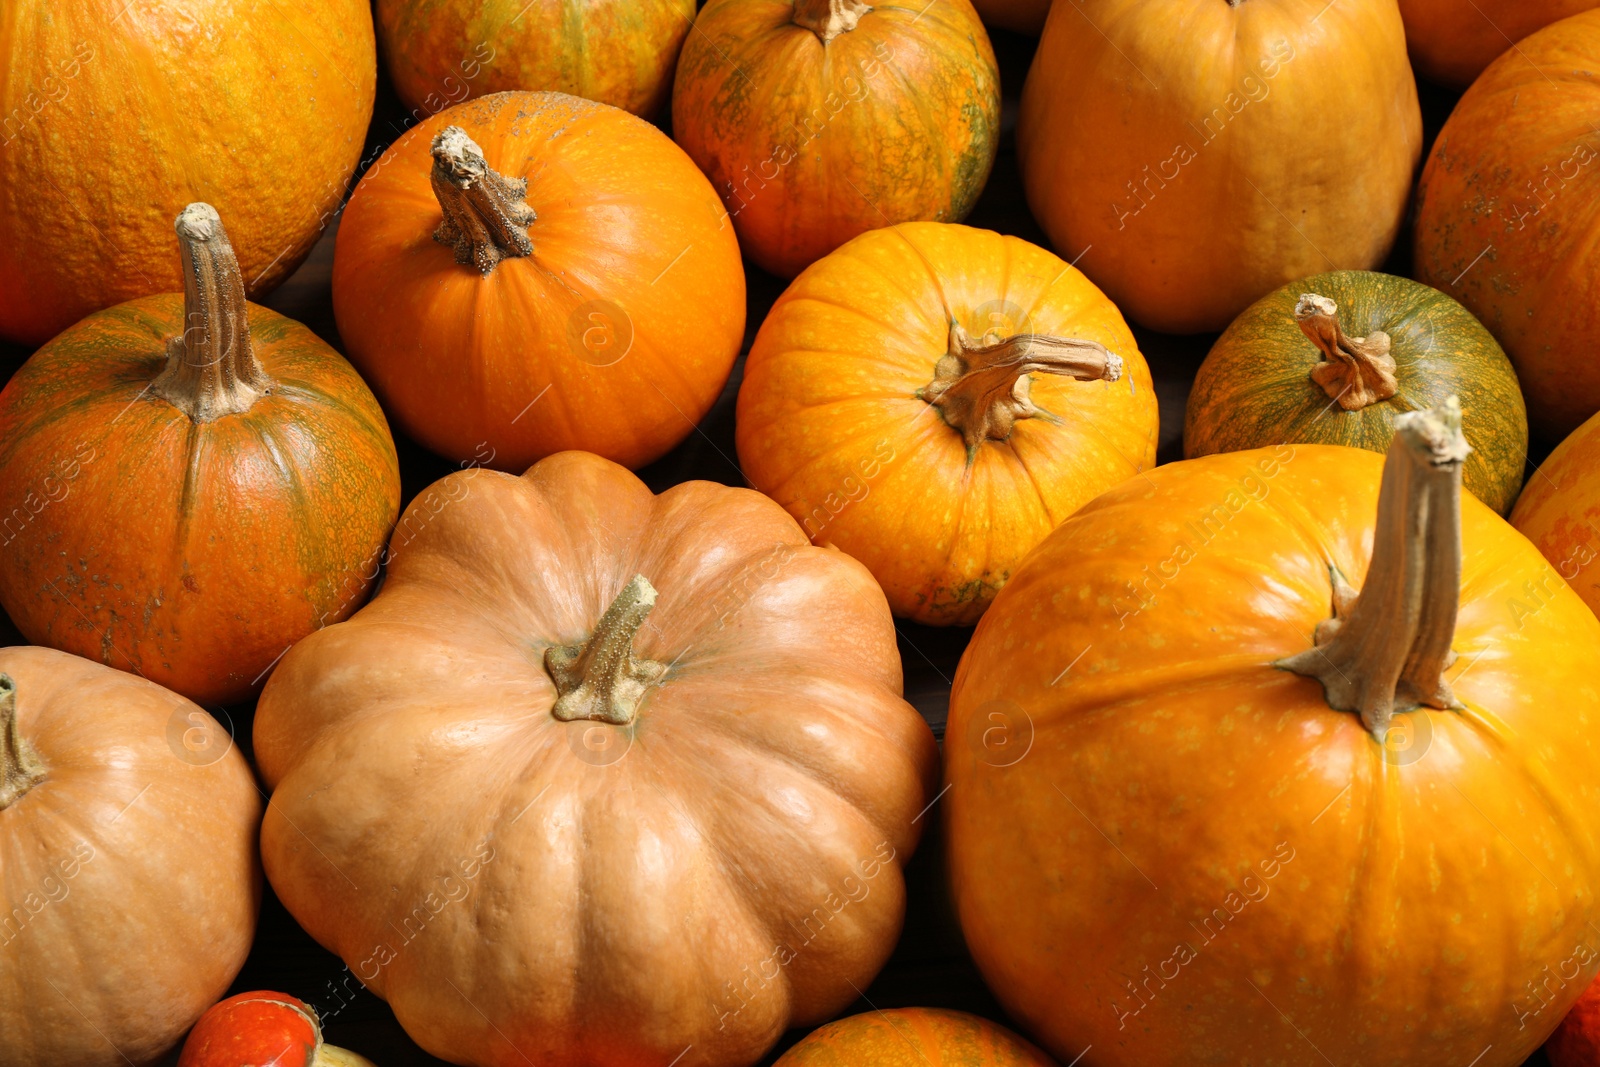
x,y
1193,157
913,1037
1507,222
1258,817
263,1027
911,400
194,483
817,120
1452,41
553,815
128,843
1559,511
114,114
618,52
530,272
1576,1042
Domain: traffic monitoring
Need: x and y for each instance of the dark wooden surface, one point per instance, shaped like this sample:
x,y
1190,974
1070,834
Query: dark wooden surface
x,y
930,966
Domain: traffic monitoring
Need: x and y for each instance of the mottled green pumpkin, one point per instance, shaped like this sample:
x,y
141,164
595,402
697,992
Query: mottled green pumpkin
x,y
1293,369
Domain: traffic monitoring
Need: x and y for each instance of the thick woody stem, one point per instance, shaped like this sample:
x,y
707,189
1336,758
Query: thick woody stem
x,y
829,18
211,369
20,766
601,679
982,389
1356,371
1388,650
485,217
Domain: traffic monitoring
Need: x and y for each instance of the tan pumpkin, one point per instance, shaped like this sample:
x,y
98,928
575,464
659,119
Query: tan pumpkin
x,y
553,815
128,878
1193,157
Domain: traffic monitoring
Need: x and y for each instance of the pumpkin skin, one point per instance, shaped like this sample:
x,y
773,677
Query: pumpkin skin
x,y
1506,225
574,897
618,52
1164,145
1452,41
1255,387
830,423
169,96
262,1027
191,552
629,311
1559,511
1231,785
1022,16
137,844
1576,1042
811,142
911,1037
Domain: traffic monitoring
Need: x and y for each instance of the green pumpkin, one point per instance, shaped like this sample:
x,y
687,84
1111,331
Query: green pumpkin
x,y
1296,369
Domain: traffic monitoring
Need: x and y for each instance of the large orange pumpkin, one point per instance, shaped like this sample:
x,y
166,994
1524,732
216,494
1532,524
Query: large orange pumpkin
x,y
128,847
1452,41
820,119
531,272
193,483
1559,511
934,399
599,777
1507,220
619,52
1257,817
114,114
1196,156
913,1037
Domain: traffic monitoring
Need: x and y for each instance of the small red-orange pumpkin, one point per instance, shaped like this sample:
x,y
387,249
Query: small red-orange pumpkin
x,y
909,1037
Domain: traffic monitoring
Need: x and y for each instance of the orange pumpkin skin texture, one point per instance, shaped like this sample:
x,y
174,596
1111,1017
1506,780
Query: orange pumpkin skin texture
x,y
1023,16
191,552
831,424
614,891
1198,156
133,843
1452,41
1559,511
1576,1042
811,141
618,52
1506,225
114,115
913,1037
1122,753
614,336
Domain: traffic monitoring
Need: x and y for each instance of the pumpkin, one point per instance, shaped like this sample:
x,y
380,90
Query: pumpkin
x,y
193,482
619,52
818,120
1335,359
1452,41
1022,16
263,1027
128,841
1507,223
1576,1042
1194,157
1257,816
530,272
599,776
934,399
913,1037
115,115
1559,511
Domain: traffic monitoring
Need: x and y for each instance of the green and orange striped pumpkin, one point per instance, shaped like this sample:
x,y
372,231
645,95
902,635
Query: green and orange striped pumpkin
x,y
1290,370
186,503
914,1037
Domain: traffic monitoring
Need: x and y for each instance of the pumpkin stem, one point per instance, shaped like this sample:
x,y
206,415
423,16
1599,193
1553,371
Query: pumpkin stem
x,y
1388,649
20,766
829,18
981,388
485,217
601,679
1356,371
211,368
